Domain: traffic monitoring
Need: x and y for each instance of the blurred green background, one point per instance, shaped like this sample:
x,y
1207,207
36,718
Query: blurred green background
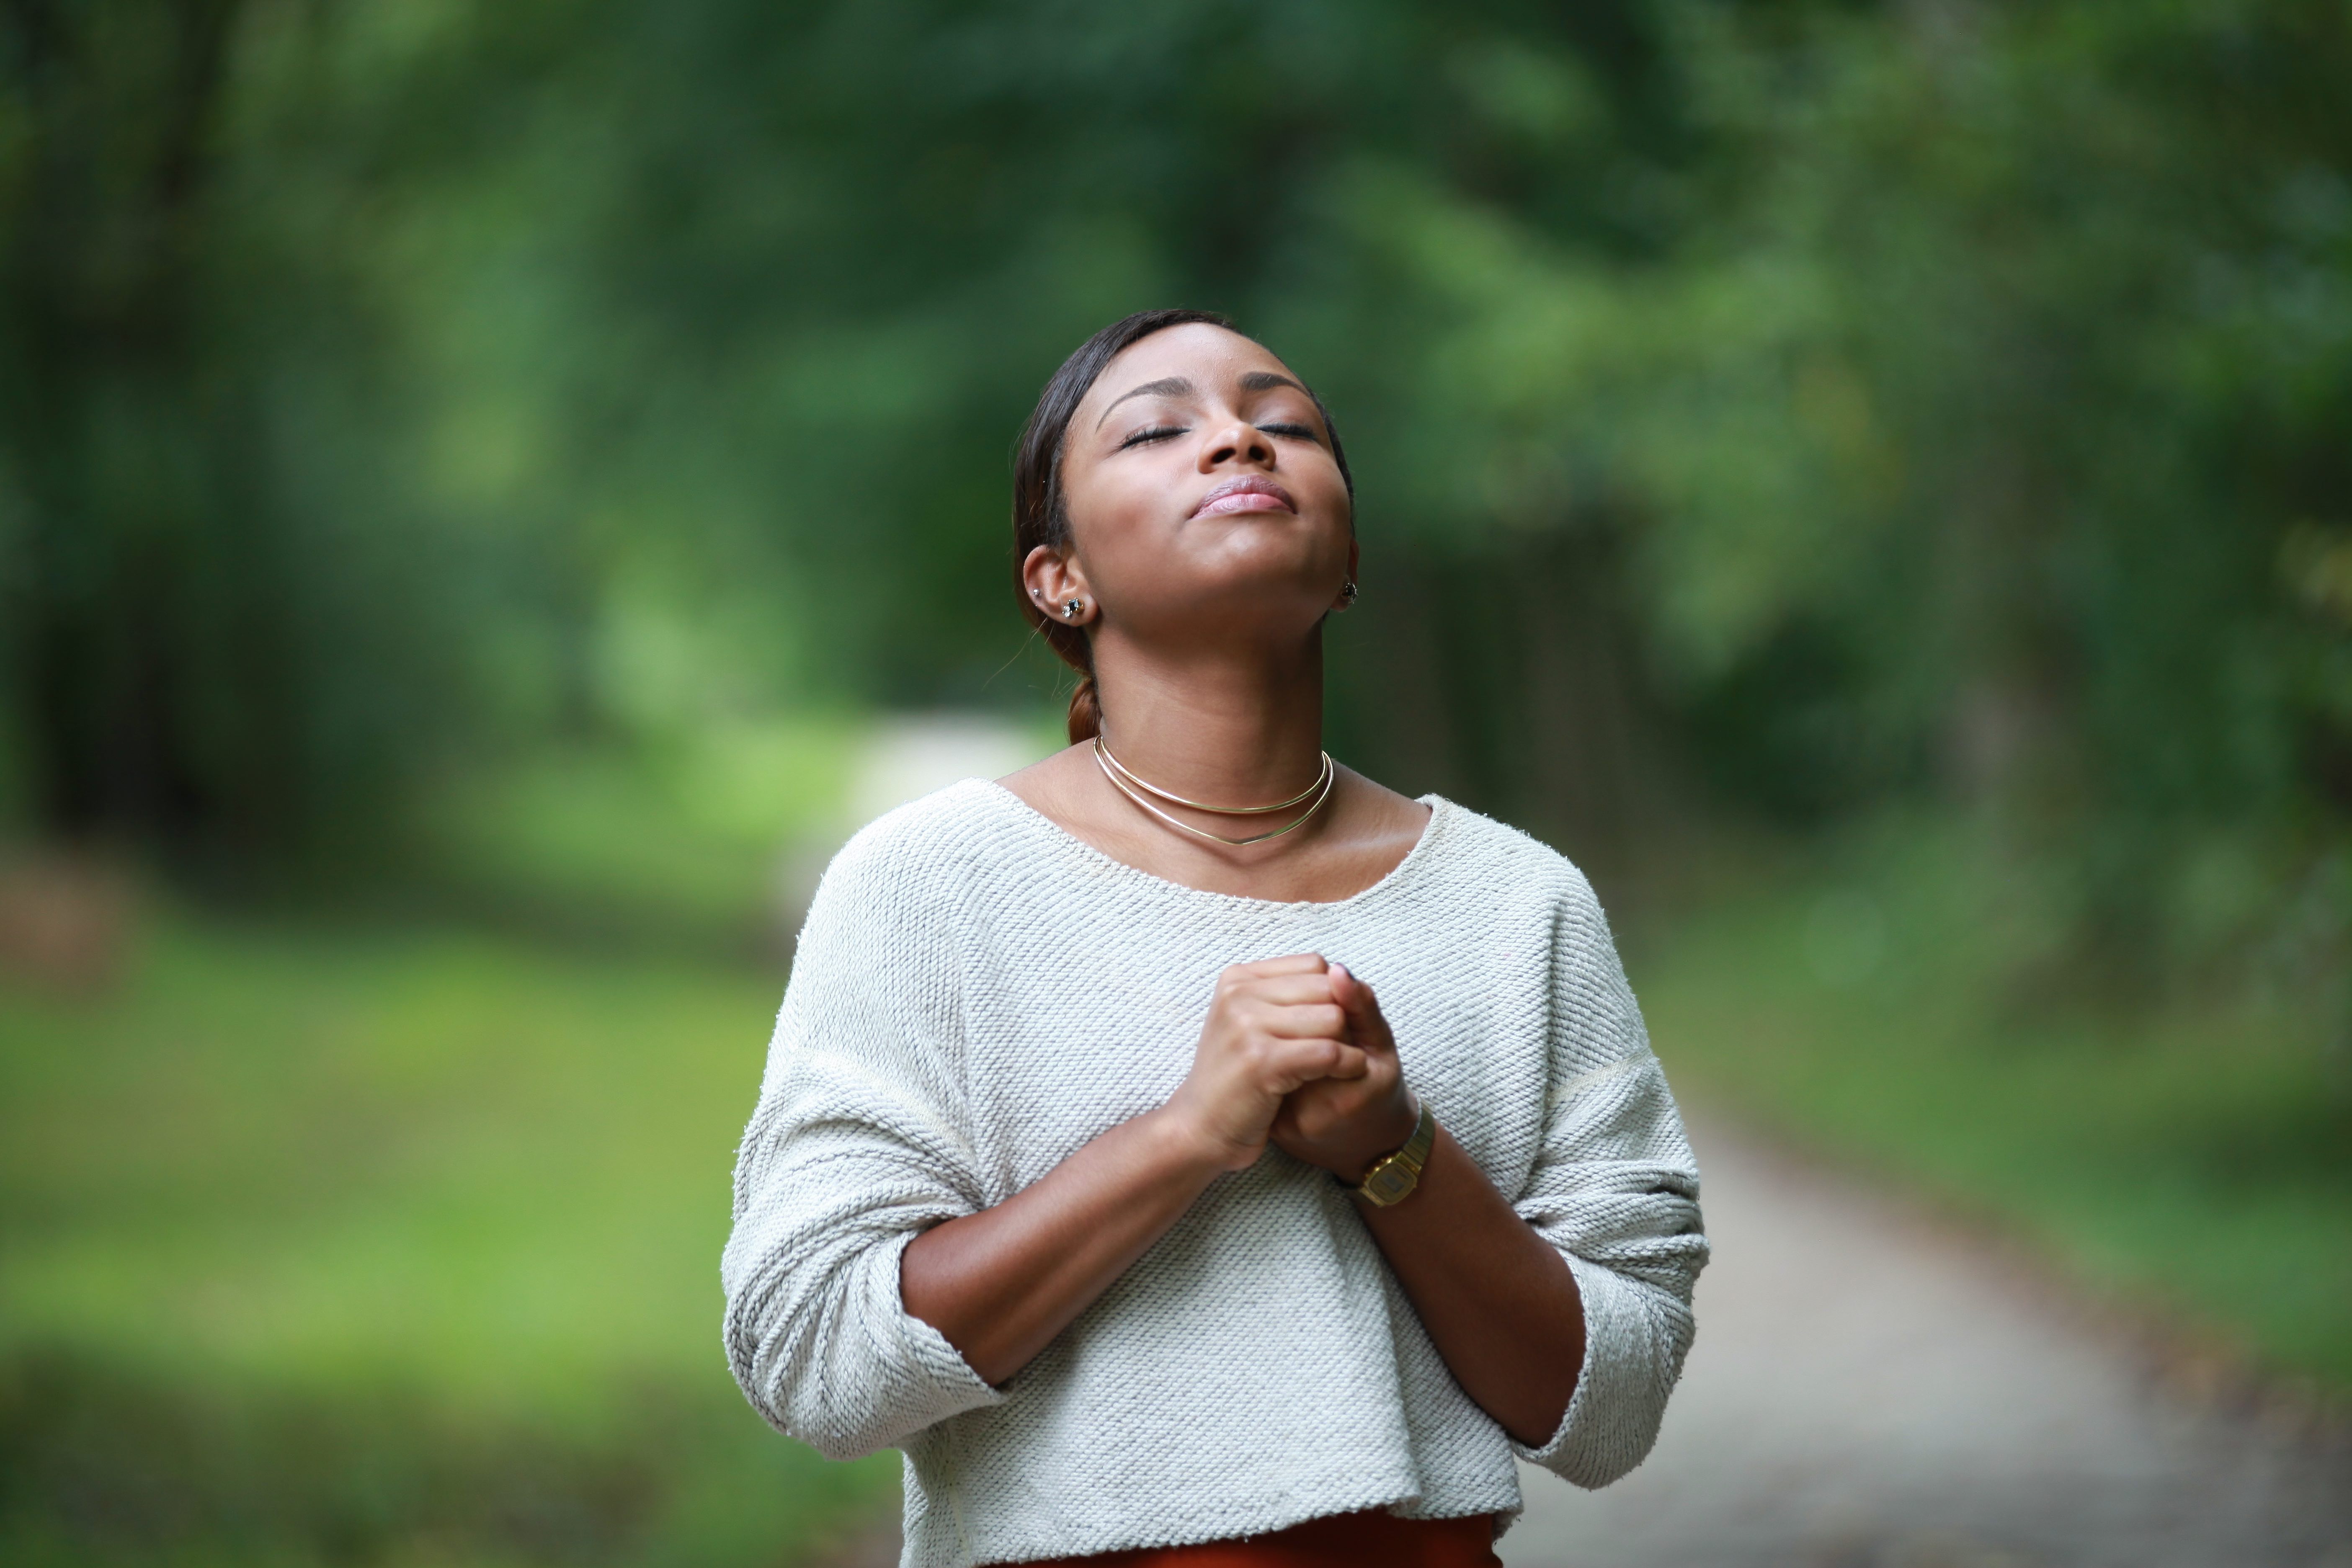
x,y
1872,482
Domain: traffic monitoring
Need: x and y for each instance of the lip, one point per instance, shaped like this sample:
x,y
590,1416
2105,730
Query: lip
x,y
1246,492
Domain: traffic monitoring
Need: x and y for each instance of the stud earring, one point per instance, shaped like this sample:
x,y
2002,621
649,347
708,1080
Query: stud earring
x,y
1071,607
1348,595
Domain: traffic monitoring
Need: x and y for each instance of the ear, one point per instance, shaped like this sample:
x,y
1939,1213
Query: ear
x,y
1052,580
1355,553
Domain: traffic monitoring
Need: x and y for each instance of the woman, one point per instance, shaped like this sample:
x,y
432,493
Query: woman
x,y
1185,1149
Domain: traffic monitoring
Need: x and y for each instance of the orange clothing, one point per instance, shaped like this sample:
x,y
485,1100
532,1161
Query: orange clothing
x,y
1375,1539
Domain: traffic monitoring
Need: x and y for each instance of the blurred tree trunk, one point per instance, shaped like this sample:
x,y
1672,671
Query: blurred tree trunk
x,y
1392,706
1583,708
147,644
1512,682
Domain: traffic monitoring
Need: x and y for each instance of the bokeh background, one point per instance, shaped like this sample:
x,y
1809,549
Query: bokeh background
x,y
483,489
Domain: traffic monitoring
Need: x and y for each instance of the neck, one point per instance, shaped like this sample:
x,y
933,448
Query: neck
x,y
1235,727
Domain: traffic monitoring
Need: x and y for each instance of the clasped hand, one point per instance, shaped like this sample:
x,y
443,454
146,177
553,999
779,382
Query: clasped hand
x,y
1296,1053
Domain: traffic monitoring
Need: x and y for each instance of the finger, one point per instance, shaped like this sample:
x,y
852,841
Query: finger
x,y
1294,1062
1310,1061
1320,1020
1362,1007
1287,989
1296,963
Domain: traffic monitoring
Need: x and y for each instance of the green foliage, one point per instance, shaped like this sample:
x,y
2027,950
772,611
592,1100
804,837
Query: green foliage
x,y
394,1247
1791,408
217,624
1963,439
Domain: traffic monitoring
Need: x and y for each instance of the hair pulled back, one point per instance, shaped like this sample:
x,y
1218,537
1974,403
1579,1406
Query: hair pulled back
x,y
1039,514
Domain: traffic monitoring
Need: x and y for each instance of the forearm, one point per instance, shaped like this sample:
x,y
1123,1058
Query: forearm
x,y
1498,1302
1000,1284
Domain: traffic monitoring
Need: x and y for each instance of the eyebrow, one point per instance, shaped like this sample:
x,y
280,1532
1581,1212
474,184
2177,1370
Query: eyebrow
x,y
1177,387
1266,381
1167,386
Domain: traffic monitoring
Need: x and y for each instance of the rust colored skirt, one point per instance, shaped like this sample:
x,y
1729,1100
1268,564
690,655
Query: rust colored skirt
x,y
1343,1541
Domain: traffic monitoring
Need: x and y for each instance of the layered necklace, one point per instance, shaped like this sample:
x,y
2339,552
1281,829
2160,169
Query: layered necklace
x,y
1135,789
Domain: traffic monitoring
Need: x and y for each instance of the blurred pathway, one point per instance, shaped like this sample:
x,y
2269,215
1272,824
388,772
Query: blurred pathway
x,y
1869,1390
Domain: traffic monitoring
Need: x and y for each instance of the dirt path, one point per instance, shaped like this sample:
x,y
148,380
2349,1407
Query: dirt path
x,y
1872,1390
1869,1388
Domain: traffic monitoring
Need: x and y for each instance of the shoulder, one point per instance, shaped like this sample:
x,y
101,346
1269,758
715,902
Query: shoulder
x,y
1504,864
1547,917
1526,895
927,854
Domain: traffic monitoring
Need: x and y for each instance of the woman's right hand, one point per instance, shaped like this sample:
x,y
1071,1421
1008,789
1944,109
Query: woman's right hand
x,y
1272,1026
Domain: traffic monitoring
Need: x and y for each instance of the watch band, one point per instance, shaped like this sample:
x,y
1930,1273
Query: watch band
x,y
1393,1179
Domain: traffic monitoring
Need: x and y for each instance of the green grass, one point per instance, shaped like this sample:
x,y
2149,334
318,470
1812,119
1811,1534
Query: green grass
x,y
2188,1152
316,1245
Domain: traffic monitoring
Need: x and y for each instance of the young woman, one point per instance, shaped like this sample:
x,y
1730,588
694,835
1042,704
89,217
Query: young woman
x,y
1186,1149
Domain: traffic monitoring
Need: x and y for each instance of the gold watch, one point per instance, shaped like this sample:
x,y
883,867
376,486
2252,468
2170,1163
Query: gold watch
x,y
1393,1179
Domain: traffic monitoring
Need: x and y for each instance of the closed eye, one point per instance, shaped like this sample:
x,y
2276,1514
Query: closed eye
x,y
1299,432
1157,433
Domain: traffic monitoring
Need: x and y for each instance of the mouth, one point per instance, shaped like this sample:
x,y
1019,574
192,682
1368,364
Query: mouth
x,y
1248,492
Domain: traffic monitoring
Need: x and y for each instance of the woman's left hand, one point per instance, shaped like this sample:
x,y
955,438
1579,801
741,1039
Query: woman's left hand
x,y
1344,1125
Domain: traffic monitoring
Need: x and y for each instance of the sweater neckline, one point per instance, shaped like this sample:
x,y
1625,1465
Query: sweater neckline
x,y
1440,811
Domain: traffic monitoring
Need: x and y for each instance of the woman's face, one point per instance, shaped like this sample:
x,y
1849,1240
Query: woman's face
x,y
1202,496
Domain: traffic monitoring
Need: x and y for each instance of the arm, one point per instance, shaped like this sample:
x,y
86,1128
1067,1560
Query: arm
x,y
1565,1312
842,1164
1001,1283
1499,1304
1497,1300
1614,1190
854,1149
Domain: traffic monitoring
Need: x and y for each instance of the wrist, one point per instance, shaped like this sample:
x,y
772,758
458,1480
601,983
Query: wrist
x,y
1404,1117
1190,1147
1396,1176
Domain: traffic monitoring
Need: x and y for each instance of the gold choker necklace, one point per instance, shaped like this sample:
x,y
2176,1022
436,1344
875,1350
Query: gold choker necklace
x,y
1126,783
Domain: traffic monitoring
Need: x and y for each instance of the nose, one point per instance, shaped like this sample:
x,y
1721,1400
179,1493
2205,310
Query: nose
x,y
1237,442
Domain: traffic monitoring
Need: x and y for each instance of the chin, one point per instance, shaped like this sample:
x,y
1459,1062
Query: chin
x,y
1271,558
1251,607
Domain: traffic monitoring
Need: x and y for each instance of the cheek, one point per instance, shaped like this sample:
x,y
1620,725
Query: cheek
x,y
1115,513
1314,479
1331,507
1331,488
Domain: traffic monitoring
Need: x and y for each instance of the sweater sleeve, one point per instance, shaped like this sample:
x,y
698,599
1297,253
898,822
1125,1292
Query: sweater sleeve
x,y
851,1154
1616,1188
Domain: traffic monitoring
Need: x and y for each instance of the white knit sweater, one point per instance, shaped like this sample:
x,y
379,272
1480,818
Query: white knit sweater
x,y
978,994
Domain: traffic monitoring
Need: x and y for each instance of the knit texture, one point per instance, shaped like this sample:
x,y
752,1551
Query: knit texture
x,y
979,992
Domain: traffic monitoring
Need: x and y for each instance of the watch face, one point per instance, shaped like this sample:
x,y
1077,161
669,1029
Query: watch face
x,y
1389,1184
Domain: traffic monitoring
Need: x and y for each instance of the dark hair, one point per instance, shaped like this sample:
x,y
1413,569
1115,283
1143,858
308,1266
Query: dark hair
x,y
1039,516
